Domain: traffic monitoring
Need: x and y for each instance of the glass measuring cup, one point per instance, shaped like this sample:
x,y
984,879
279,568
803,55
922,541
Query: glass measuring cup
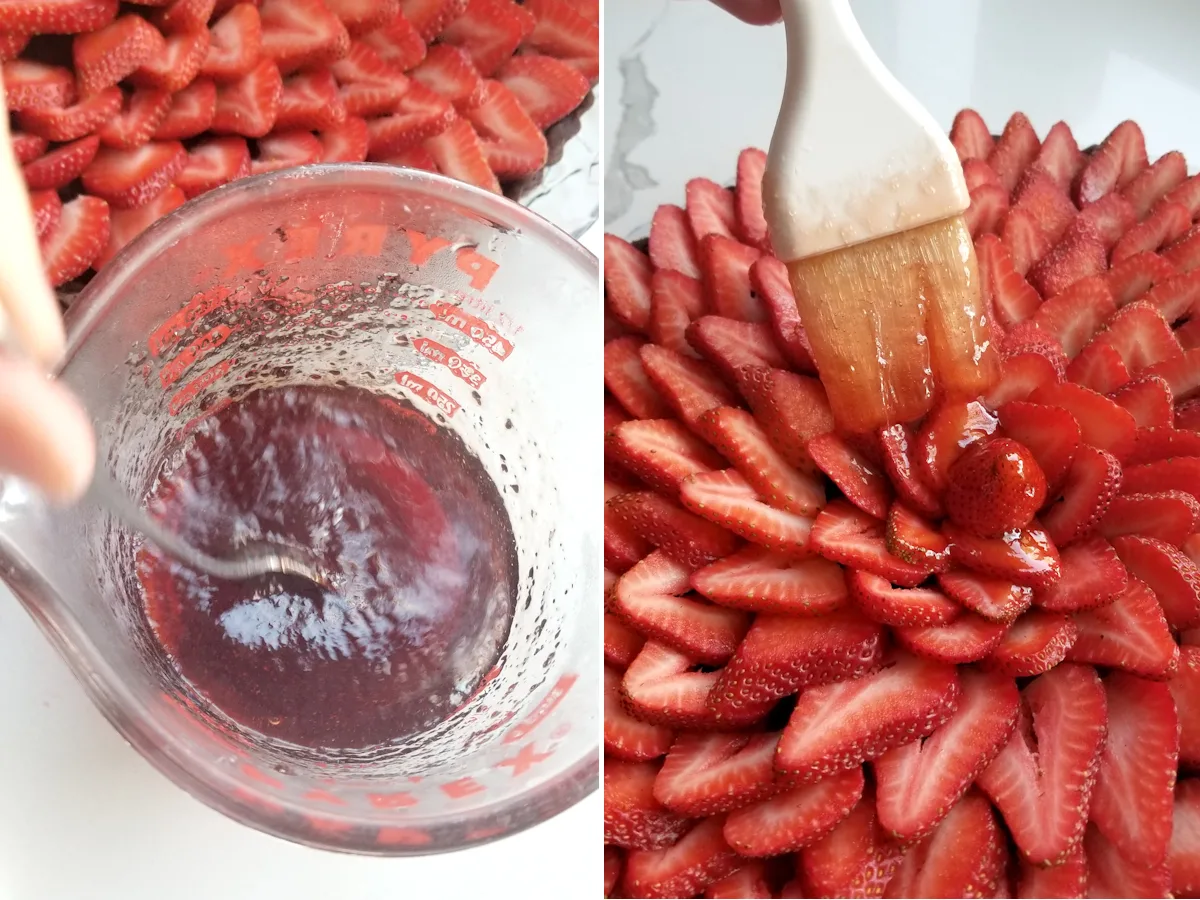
x,y
413,287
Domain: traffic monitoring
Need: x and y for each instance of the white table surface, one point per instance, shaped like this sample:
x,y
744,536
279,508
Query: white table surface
x,y
84,817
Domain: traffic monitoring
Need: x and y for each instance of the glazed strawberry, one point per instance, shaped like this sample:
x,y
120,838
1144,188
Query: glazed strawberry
x,y
1102,423
1051,434
1117,162
29,84
839,726
855,539
698,859
429,17
726,499
127,224
672,244
449,71
791,408
856,859
707,774
995,486
1184,854
1169,573
1182,375
1092,575
758,580
899,607
1128,633
711,209
64,17
783,654
1099,367
56,123
1183,683
1020,375
915,540
632,817
946,432
212,163
235,44
795,818
104,57
130,178
970,136
675,300
563,32
688,386
1148,399
1027,557
70,248
1004,289
1035,643
285,149
770,282
1156,444
1169,516
969,638
731,345
249,105
994,599
490,31
513,145
662,687
862,483
1042,780
686,537
301,33
751,222
725,264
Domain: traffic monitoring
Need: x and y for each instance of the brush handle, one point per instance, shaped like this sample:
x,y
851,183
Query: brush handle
x,y
854,156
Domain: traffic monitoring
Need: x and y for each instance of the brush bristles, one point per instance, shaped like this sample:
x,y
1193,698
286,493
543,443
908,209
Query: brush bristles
x,y
896,322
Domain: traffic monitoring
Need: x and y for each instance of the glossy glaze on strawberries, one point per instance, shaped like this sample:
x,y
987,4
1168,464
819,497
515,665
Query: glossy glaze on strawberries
x,y
954,658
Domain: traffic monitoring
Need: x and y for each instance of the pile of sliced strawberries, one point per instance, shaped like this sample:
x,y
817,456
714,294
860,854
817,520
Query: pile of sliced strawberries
x,y
166,99
959,657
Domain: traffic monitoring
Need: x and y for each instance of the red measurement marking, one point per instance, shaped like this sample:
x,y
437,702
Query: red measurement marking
x,y
330,826
392,801
560,732
525,760
442,354
464,787
404,836
171,332
479,267
427,392
322,796
543,709
479,834
475,328
258,800
197,349
259,775
189,391
423,246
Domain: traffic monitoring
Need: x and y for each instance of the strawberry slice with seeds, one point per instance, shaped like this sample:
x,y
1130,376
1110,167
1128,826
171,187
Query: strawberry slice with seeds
x,y
1110,217
748,202
621,643
362,16
60,17
1187,416
1184,684
1098,367
449,71
737,436
661,452
622,546
1129,633
856,859
102,58
1090,487
249,105
562,31
1166,222
898,444
648,597
707,774
47,210
1068,879
991,598
422,115
27,147
127,224
987,211
310,101
672,244
838,726
758,580
1075,315
1059,156
1004,289
1034,643
1155,182
1102,423
81,234
1168,572
1187,194
490,32
863,484
1020,375
58,123
628,381
212,163
711,209
1016,149
627,273
662,687
1111,874
1184,854
13,44
783,654
513,144
1092,575
178,64
61,165
1179,474
855,539
1148,399
970,136
995,486
917,784
791,408
298,34
967,639
1184,253
1181,374
1026,557
1118,160
130,178
1050,433
977,173
348,142
1154,444
951,428
548,89
29,84
675,300
769,280
1023,237
916,541
143,114
687,385
687,538
235,44
1169,516
1080,254
731,345
184,16
1042,780
1133,798
632,817
285,150
397,43
1052,209
727,499
795,818
429,17
698,859
748,881
900,607
1134,275
725,264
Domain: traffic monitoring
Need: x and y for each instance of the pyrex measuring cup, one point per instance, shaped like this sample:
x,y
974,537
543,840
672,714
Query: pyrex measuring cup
x,y
411,286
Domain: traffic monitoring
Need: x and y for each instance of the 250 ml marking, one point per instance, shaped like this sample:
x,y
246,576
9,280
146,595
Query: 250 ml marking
x,y
442,354
427,392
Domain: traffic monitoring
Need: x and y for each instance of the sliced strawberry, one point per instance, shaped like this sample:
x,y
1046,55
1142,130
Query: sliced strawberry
x,y
127,224
1090,487
632,817
1076,314
178,64
795,818
967,639
1020,375
249,105
711,209
1129,633
1154,444
362,16
1098,367
1059,156
660,452
725,265
970,136
995,486
1187,194
684,536
1033,644
989,207
27,147
62,165
737,436
769,280
1092,575
77,240
1119,160
1017,147
627,273
1134,275
1183,254
1111,874
1102,423
838,726
748,881
965,857
1067,879
548,89
1187,415
1181,374
672,244
184,16
761,581
235,44
286,149
1148,399
730,345
791,409
212,163
429,17
725,498
976,173
422,115
855,860
1050,433
145,109
624,736
863,484
688,386
397,42
707,774
13,44
104,57
1052,209
62,17
1169,573
1025,338
915,540
1004,288
783,654
621,643
648,598
900,607
751,222
513,144
562,31
662,687
628,381
1184,684
1180,474
899,448
489,31
1026,557
1156,181
698,859
1023,237
675,300
47,210
1079,254
622,546
130,178
57,123
310,101
946,432
448,70
29,84
1184,854
299,34
844,534
1166,222
993,599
